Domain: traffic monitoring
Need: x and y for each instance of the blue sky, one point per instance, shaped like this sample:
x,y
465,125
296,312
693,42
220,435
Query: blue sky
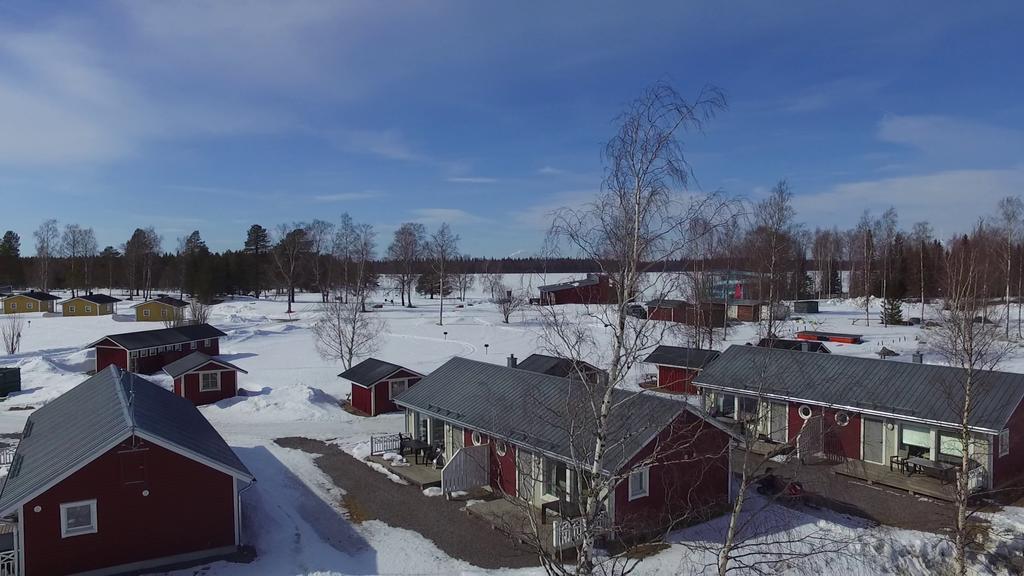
x,y
489,115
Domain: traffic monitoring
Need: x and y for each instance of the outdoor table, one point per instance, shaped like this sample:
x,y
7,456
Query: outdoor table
x,y
417,446
939,470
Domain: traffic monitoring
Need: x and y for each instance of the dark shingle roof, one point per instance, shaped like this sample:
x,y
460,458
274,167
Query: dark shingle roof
x,y
789,344
680,357
590,280
193,361
94,298
536,410
41,296
168,300
370,371
555,366
163,336
95,416
902,389
667,303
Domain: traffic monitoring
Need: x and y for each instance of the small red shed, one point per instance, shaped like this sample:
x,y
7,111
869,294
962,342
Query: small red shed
x,y
376,383
594,289
204,379
677,367
829,337
118,475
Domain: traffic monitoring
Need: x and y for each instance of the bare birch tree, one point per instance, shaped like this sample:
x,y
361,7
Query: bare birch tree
x,y
407,250
290,249
11,328
510,302
1011,210
343,332
443,248
319,234
47,246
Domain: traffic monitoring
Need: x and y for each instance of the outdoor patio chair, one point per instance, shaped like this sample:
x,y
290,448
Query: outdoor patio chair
x,y
900,460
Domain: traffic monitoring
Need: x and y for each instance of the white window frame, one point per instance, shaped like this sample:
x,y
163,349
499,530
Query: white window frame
x,y
476,438
391,387
1004,442
71,308
163,314
29,306
145,312
644,475
207,343
202,384
133,354
93,525
14,306
842,418
143,353
501,447
88,309
195,344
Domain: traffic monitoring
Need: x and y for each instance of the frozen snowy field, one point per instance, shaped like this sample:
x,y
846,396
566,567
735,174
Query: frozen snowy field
x,y
294,515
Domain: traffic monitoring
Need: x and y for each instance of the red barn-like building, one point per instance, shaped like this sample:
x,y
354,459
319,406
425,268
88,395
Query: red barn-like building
x,y
594,289
204,379
376,383
147,352
677,367
118,475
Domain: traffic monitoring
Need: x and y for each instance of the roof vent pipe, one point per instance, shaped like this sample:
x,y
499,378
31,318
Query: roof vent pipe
x,y
512,362
917,358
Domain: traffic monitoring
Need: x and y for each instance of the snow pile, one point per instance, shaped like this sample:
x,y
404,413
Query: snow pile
x,y
433,491
291,403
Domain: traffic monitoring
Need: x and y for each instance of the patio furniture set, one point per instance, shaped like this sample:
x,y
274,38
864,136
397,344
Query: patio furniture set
x,y
910,465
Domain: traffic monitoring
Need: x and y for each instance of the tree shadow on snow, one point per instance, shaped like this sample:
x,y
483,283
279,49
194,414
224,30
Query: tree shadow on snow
x,y
236,357
290,525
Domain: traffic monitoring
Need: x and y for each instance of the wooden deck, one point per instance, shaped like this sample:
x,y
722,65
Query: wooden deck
x,y
879,474
420,475
513,521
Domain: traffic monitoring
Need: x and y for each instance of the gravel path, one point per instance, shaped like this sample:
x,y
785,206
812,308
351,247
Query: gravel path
x,y
445,523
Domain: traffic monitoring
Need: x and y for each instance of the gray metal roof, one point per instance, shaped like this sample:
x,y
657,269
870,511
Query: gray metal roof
x,y
94,298
555,366
370,371
590,280
542,412
164,299
95,416
681,357
39,296
904,390
791,344
193,361
163,336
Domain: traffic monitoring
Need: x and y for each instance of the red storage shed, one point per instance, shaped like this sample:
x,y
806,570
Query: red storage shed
x,y
678,366
376,383
204,379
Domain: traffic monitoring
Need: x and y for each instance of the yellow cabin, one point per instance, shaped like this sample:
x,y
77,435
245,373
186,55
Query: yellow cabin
x,y
160,309
30,301
89,305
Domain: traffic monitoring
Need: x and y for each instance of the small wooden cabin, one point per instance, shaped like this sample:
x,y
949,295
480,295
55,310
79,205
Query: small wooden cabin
x,y
89,305
594,289
31,301
204,379
678,366
376,383
163,308
119,476
148,351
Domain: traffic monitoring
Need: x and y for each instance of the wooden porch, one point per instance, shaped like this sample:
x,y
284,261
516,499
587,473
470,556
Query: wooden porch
x,y
918,484
422,475
514,521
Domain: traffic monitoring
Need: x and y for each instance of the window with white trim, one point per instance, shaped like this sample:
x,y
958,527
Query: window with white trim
x,y
77,518
144,352
30,306
501,448
1004,442
207,343
397,387
639,483
476,438
209,382
88,309
14,306
71,308
163,314
145,312
195,345
133,354
842,418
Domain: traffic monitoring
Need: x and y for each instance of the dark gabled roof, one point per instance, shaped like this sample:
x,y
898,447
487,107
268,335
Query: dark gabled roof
x,y
590,280
94,298
694,358
168,300
193,361
555,366
370,371
544,413
162,336
789,344
667,303
36,295
904,390
98,414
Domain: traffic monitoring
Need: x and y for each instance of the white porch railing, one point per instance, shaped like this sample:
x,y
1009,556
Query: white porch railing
x,y
7,455
468,468
977,479
8,563
383,443
569,532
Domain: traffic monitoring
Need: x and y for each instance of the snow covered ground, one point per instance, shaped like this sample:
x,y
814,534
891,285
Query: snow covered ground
x,y
294,515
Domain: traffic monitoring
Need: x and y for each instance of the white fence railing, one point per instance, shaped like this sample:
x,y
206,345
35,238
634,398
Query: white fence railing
x,y
569,532
383,443
8,563
976,479
7,455
469,467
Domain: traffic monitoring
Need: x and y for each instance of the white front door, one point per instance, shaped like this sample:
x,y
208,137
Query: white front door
x,y
873,441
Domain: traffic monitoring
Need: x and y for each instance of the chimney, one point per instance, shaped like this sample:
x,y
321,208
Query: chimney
x,y
917,358
804,346
512,362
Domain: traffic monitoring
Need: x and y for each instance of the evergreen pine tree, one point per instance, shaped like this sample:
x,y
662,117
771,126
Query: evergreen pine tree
x,y
892,311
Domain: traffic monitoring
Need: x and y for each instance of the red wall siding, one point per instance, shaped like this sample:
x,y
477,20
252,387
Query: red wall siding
x,y
361,399
503,468
1010,468
107,356
748,313
676,379
839,441
678,488
599,293
190,508
228,386
664,313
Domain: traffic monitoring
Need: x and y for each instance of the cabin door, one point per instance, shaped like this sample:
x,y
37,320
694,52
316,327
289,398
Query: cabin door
x,y
873,441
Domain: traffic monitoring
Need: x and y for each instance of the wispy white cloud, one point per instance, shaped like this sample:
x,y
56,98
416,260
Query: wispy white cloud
x,y
538,216
390,144
471,180
949,139
829,94
347,196
435,216
550,171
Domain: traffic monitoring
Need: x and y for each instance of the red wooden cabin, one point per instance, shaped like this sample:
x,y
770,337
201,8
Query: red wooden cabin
x,y
147,352
677,367
375,384
829,337
594,289
143,482
204,379
705,315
